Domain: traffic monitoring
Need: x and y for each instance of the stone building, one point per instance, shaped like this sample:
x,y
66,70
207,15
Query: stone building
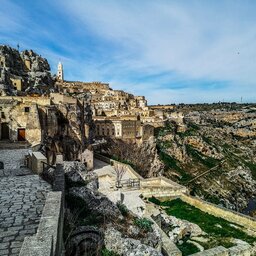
x,y
19,121
57,124
122,128
60,73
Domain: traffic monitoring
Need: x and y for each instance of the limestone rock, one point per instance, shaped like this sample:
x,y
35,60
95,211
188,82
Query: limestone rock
x,y
97,202
73,171
143,156
76,172
177,229
28,67
126,246
153,238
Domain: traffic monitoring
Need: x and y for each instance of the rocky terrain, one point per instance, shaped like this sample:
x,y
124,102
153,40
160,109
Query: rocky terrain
x,y
28,67
142,157
212,151
96,226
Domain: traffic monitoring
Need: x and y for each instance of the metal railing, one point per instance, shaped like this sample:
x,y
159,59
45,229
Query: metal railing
x,y
129,183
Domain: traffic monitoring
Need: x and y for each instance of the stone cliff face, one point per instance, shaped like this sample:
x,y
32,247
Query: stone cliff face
x,y
63,128
143,157
23,72
210,158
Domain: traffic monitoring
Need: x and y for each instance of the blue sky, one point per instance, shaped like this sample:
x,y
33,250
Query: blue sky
x,y
170,51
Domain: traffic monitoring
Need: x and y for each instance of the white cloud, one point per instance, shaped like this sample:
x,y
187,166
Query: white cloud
x,y
193,41
196,40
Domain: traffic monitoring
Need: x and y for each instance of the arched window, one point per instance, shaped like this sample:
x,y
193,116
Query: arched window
x,y
1,165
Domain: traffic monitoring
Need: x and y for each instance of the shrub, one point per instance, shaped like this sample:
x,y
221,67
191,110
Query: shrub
x,y
143,223
122,208
106,252
154,200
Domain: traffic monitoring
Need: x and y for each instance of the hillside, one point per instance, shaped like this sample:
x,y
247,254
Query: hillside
x,y
212,151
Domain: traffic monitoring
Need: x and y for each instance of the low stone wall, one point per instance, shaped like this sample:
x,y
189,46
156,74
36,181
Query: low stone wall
x,y
48,239
35,162
241,250
221,212
102,158
156,186
162,192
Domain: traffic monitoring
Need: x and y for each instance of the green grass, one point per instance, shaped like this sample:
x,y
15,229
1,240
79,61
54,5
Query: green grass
x,y
187,248
191,131
209,162
172,163
144,224
207,140
106,252
252,167
208,223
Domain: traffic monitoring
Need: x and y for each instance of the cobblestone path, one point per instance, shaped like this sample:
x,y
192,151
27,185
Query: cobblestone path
x,y
22,198
21,203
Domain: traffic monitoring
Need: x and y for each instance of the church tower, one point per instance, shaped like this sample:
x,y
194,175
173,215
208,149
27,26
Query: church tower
x,y
60,74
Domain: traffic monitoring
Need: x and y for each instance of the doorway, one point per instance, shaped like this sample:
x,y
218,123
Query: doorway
x,y
21,134
4,131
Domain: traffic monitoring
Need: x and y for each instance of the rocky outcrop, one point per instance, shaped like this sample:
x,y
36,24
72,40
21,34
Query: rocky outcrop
x,y
126,246
28,69
76,173
143,157
178,229
96,202
199,144
216,163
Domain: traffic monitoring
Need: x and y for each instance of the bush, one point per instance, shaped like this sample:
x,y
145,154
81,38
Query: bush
x,y
144,224
122,208
106,252
154,200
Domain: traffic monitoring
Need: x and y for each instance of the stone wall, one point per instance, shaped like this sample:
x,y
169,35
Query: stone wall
x,y
221,212
48,241
241,250
35,162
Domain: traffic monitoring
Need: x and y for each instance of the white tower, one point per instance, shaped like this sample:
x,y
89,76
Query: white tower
x,y
60,74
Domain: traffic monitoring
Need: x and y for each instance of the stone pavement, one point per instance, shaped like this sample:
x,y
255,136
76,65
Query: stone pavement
x,y
22,198
21,203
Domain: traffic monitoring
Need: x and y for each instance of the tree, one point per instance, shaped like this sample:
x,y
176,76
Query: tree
x,y
120,171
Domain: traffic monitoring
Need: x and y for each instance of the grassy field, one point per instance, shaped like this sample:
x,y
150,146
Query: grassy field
x,y
219,231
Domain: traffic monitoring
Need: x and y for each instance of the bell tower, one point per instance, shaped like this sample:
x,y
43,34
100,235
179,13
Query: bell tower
x,y
60,74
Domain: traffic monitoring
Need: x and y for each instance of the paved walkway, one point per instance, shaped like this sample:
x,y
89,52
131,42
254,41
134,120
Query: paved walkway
x,y
22,198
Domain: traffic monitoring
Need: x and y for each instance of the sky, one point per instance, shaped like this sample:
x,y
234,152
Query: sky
x,y
183,51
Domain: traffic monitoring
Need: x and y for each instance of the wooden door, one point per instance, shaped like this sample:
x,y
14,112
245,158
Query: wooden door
x,y
4,131
21,134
